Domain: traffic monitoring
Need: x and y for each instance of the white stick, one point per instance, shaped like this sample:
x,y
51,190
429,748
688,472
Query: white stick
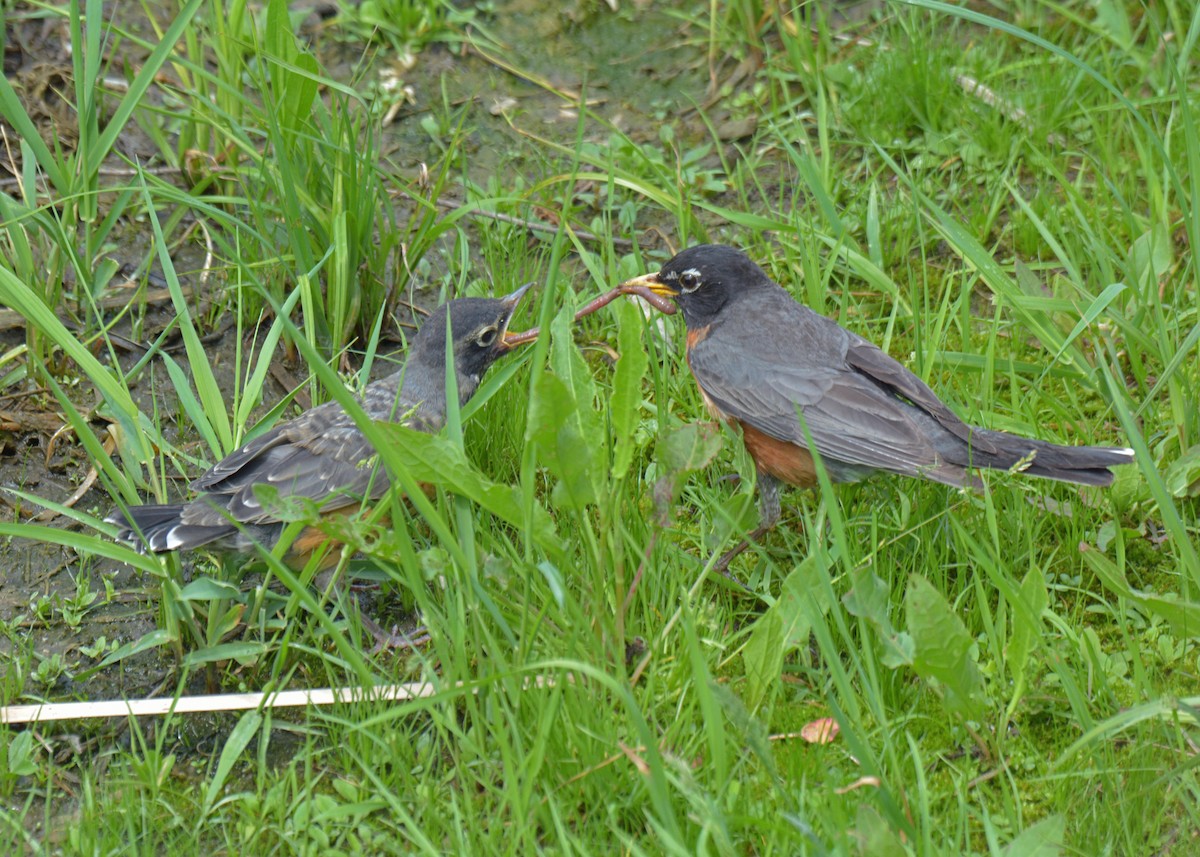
x,y
216,702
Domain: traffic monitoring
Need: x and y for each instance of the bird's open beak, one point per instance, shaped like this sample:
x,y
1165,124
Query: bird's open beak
x,y
651,282
510,303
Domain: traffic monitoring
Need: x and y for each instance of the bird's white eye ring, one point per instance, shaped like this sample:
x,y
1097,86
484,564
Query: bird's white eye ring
x,y
487,336
689,280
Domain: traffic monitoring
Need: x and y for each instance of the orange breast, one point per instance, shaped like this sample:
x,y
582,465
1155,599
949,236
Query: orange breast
x,y
311,539
309,542
694,337
779,458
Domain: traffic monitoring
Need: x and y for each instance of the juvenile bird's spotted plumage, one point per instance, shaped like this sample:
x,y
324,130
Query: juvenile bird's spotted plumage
x,y
322,455
766,362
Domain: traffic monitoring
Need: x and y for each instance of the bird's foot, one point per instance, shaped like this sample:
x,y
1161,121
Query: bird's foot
x,y
721,566
394,639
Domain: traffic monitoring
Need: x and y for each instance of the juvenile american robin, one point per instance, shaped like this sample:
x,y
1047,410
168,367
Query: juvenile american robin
x,y
322,455
765,362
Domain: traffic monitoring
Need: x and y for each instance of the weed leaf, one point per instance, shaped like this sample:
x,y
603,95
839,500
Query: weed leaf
x,y
942,647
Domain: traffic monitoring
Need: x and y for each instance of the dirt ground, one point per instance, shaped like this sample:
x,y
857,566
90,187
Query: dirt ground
x,y
54,603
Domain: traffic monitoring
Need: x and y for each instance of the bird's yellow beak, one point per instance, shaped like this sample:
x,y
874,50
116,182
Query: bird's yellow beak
x,y
651,282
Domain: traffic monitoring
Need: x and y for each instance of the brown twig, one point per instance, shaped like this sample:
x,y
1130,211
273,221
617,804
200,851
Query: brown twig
x,y
110,444
990,97
11,318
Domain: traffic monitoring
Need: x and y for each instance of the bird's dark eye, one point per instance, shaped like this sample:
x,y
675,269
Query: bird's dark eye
x,y
487,336
689,281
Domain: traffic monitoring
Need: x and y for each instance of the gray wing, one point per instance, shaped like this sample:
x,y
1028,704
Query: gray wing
x,y
893,376
321,455
847,395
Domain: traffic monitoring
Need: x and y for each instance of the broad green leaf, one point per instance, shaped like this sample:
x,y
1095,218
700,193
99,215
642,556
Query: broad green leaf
x,y
301,89
690,447
627,386
1044,839
1112,18
785,626
763,654
942,647
560,442
565,424
20,754
1183,476
1026,629
1182,616
870,599
1150,257
568,364
207,589
438,461
278,38
687,448
876,838
235,745
554,580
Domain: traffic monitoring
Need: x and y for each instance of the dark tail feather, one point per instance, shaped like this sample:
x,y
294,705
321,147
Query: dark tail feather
x,y
146,526
1083,465
159,528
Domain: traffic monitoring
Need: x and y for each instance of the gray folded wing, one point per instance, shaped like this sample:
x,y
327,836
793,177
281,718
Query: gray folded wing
x,y
846,390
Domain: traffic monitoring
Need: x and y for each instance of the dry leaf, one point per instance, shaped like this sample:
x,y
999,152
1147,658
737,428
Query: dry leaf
x,y
633,756
858,784
821,731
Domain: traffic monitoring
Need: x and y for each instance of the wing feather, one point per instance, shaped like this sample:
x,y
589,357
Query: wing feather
x,y
801,367
321,455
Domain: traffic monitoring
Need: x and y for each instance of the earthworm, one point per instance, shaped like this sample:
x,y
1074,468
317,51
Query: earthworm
x,y
659,302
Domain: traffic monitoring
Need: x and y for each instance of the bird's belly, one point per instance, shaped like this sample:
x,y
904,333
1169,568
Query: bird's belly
x,y
779,458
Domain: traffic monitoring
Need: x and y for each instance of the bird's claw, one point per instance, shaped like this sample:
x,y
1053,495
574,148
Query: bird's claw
x,y
395,638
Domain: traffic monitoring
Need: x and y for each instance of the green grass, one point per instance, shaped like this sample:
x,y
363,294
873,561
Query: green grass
x,y
1011,672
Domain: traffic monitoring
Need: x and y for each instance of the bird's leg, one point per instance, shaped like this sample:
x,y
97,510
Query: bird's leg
x,y
768,516
393,639
768,503
384,639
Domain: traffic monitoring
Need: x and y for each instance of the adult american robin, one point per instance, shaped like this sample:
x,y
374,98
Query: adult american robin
x,y
322,455
774,367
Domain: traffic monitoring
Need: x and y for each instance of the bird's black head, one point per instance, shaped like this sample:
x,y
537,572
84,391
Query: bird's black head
x,y
478,330
703,279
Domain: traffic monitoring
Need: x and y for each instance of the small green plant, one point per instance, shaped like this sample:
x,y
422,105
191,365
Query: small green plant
x,y
74,609
49,670
17,757
406,26
100,647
